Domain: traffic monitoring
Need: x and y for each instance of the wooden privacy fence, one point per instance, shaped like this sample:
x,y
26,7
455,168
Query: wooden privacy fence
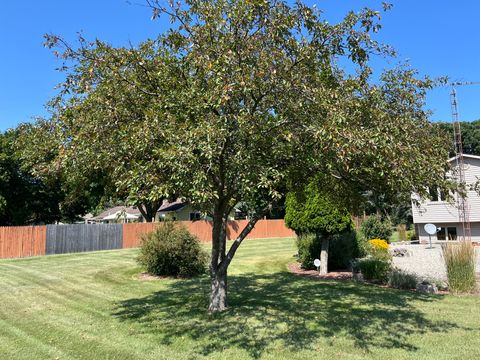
x,y
203,230
63,239
22,241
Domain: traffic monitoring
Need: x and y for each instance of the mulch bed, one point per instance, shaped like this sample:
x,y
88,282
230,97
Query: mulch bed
x,y
295,268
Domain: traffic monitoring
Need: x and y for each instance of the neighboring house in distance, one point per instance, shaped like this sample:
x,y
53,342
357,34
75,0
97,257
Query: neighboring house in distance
x,y
181,210
117,214
444,214
178,210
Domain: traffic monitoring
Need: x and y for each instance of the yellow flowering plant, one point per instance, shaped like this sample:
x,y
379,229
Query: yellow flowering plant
x,y
379,248
379,244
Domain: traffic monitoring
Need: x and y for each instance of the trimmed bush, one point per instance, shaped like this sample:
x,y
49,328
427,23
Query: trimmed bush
x,y
312,211
400,279
308,250
374,269
172,251
460,263
374,228
343,248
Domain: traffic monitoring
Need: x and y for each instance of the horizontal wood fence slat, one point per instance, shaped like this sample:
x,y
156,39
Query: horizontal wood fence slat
x,y
63,239
22,241
203,230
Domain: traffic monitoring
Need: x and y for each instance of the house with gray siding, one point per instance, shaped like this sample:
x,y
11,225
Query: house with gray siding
x,y
444,214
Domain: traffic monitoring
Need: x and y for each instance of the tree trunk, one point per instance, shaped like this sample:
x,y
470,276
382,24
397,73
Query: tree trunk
x,y
218,276
218,292
149,210
221,259
324,255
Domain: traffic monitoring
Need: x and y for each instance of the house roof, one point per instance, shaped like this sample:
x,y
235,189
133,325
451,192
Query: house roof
x,y
130,210
465,156
176,205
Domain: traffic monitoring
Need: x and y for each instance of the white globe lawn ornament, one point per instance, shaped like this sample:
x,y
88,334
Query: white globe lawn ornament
x,y
316,262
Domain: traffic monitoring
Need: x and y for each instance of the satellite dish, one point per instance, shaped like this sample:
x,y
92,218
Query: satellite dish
x,y
430,229
316,262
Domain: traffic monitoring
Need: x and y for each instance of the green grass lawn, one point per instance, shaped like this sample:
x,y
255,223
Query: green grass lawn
x,y
92,306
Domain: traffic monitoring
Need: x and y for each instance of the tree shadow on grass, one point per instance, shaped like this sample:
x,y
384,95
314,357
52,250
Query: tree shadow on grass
x,y
282,308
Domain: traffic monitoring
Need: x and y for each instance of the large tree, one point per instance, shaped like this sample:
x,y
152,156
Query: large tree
x,y
237,101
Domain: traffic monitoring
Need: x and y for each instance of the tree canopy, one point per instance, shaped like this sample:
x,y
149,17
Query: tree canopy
x,y
238,101
26,199
313,211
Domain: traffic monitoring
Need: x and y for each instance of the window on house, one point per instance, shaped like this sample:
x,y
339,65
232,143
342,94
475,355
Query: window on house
x,y
451,233
195,216
441,234
433,194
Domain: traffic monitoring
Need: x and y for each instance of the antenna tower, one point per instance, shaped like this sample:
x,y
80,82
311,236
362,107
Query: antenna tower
x,y
462,204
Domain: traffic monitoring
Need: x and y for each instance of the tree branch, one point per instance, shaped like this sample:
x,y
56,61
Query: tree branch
x,y
233,249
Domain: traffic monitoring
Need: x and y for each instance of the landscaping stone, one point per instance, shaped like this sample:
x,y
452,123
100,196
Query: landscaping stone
x,y
358,277
425,262
426,287
400,252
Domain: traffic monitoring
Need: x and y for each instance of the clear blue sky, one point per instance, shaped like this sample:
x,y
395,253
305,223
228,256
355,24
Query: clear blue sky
x,y
440,38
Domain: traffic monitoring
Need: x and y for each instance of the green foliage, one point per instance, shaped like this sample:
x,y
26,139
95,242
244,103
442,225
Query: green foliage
x,y
397,206
24,198
172,251
219,108
411,235
343,248
470,136
375,269
460,262
311,211
401,279
308,246
363,245
376,228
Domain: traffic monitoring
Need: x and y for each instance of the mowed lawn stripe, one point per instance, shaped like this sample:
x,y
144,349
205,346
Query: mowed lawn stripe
x,y
93,306
70,316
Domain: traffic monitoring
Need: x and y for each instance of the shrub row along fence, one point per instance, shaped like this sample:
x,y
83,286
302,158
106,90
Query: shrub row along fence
x,y
23,241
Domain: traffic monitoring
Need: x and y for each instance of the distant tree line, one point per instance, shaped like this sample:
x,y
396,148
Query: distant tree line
x,y
27,198
470,136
